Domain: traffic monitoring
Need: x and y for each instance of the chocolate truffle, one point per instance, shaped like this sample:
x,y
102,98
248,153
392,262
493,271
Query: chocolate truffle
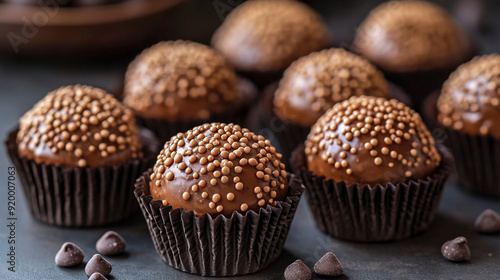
x,y
408,36
369,140
181,80
469,101
79,126
266,36
218,168
314,83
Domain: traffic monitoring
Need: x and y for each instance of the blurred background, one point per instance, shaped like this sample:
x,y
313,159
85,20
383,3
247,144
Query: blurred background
x,y
112,28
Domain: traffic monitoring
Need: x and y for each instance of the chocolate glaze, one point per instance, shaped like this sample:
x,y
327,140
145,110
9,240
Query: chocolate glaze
x,y
218,168
409,36
266,36
469,101
79,126
314,83
180,81
369,140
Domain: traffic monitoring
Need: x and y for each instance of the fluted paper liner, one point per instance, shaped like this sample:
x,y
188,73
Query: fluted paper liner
x,y
164,129
218,246
78,197
477,157
477,161
373,214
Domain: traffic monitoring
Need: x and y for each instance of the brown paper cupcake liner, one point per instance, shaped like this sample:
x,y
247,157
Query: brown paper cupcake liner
x,y
373,214
477,158
78,197
219,246
477,161
164,129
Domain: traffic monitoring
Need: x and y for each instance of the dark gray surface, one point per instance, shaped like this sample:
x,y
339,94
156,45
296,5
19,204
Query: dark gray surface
x,y
24,81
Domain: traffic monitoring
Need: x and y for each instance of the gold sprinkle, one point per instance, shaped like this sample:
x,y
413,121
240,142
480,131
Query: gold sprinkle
x,y
186,196
244,207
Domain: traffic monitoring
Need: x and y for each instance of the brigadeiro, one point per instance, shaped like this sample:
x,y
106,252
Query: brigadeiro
x,y
375,159
416,43
261,38
175,85
77,150
312,85
469,110
218,201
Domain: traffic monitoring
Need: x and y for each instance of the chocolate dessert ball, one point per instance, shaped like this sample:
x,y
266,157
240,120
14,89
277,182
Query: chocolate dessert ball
x,y
409,36
369,140
218,168
314,83
79,126
181,81
266,36
469,101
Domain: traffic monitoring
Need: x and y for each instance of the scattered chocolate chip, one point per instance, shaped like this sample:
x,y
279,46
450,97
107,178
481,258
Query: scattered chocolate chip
x,y
297,271
69,255
456,250
97,276
488,222
98,264
329,265
111,243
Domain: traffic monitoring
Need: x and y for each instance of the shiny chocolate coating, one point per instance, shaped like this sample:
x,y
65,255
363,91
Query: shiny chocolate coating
x,y
369,140
266,36
219,168
314,83
408,36
470,99
181,80
79,126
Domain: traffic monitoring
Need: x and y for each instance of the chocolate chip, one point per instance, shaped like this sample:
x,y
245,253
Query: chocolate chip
x,y
488,222
329,265
69,255
111,243
98,264
297,271
97,276
456,250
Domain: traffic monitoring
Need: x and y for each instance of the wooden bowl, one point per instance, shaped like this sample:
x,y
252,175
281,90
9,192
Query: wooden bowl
x,y
79,31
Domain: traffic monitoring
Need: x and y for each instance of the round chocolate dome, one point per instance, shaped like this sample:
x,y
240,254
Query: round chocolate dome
x,y
369,140
218,168
470,99
79,126
266,36
181,80
408,36
314,83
